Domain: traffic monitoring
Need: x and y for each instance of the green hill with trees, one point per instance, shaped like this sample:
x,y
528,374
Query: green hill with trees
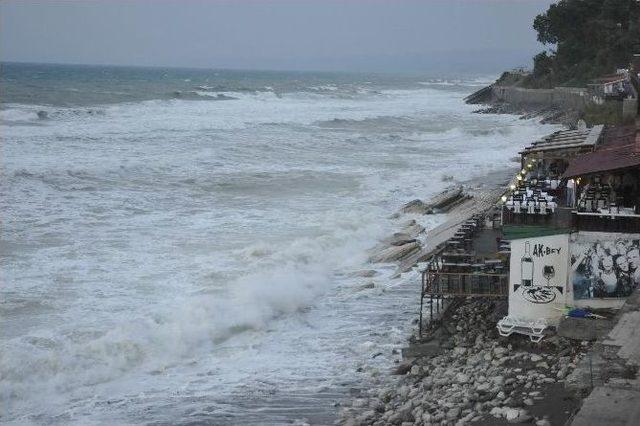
x,y
585,39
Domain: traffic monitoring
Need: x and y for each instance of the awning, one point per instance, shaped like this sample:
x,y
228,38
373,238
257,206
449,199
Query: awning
x,y
605,159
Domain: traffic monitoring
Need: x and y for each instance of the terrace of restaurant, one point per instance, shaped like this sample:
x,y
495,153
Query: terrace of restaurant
x,y
539,194
608,184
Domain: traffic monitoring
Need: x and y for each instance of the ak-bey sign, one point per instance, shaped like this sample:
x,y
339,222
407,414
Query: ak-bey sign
x,y
540,250
538,276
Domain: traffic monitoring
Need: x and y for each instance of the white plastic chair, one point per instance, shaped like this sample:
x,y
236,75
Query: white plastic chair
x,y
543,208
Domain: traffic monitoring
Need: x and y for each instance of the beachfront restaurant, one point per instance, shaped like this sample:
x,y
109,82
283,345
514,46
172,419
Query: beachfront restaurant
x,y
538,193
591,261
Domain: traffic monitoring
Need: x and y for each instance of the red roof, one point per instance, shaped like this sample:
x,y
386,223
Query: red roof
x,y
607,158
619,135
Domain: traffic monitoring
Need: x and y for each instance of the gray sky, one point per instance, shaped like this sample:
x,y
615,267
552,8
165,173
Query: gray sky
x,y
376,35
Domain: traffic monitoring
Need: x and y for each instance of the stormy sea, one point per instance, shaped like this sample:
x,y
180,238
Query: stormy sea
x,y
184,246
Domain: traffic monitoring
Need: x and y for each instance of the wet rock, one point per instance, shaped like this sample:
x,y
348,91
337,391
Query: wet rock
x,y
511,414
416,207
394,253
366,273
404,391
350,421
462,378
359,403
453,413
523,417
459,351
499,351
498,412
413,231
483,387
366,416
368,285
403,368
443,200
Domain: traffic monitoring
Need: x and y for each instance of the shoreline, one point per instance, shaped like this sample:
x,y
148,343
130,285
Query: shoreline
x,y
475,375
478,378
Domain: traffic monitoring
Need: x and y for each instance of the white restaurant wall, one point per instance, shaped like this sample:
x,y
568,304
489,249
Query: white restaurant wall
x,y
539,289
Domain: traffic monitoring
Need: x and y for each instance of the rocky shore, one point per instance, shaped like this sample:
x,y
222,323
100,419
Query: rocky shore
x,y
462,371
476,377
546,115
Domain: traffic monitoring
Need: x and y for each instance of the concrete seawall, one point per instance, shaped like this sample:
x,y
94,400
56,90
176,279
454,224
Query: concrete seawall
x,y
568,99
561,97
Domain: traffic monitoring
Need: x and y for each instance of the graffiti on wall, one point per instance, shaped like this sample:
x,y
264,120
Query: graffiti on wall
x,y
543,257
602,267
538,276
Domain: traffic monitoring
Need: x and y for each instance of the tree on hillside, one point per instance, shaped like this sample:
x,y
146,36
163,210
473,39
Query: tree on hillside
x,y
586,39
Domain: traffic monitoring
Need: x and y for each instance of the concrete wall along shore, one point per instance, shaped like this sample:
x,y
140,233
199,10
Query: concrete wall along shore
x,y
561,97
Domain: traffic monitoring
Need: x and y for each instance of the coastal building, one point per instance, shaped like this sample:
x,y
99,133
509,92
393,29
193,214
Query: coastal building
x,y
566,234
586,252
615,86
619,89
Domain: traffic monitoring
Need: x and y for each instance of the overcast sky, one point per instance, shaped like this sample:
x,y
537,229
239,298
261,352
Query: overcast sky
x,y
376,35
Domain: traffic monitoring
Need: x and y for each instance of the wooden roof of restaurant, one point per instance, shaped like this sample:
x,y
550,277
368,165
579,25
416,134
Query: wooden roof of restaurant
x,y
620,150
566,139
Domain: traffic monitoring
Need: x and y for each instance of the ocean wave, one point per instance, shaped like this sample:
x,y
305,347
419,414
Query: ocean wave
x,y
67,180
224,88
363,122
324,88
200,95
34,114
286,280
457,82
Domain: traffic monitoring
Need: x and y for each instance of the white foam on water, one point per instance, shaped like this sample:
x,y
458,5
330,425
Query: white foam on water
x,y
175,260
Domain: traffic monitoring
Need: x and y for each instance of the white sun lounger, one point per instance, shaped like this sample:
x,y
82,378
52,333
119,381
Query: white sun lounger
x,y
534,329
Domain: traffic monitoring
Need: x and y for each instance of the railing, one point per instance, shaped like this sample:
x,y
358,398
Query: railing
x,y
561,218
466,284
438,285
603,222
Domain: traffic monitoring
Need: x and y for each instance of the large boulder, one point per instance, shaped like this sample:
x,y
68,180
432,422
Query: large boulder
x,y
416,207
440,203
394,253
446,197
412,230
398,239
